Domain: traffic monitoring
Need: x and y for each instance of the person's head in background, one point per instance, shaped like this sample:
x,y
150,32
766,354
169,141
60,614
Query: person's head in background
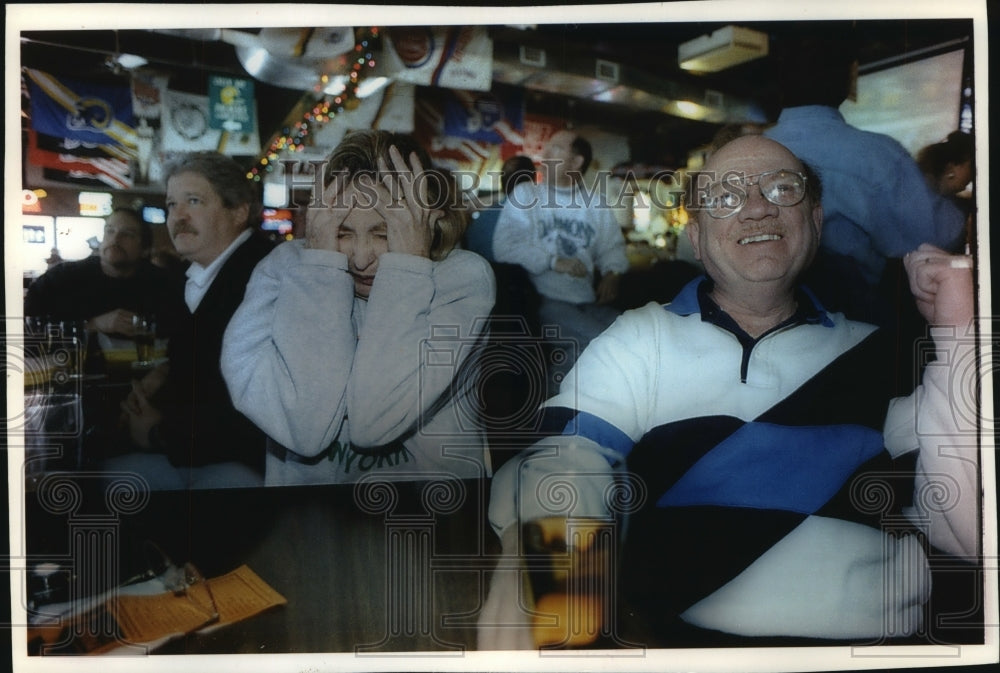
x,y
948,165
818,69
516,170
210,202
127,241
565,158
363,234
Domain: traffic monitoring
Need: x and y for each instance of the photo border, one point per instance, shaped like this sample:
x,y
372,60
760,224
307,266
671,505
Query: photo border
x,y
138,16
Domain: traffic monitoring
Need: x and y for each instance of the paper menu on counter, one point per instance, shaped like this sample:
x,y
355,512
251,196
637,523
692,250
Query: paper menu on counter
x,y
150,621
237,595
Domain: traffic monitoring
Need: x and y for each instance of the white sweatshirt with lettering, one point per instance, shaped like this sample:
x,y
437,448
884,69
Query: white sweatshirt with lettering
x,y
541,222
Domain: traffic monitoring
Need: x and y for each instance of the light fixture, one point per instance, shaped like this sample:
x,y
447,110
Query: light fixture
x,y
722,49
119,63
130,61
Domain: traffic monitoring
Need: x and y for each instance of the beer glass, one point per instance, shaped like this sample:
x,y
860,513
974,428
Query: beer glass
x,y
144,334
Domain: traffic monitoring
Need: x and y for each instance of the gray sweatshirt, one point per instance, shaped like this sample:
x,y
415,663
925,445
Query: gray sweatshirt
x,y
351,387
541,222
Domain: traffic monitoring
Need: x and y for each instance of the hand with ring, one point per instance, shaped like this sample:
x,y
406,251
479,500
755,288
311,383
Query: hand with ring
x,y
403,203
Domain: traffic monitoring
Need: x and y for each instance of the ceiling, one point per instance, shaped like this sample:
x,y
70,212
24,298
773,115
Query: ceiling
x,y
645,52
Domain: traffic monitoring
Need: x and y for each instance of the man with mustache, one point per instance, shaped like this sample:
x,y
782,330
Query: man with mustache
x,y
752,428
181,415
108,289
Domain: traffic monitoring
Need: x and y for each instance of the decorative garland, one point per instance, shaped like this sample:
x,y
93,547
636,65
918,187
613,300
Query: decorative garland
x,y
324,108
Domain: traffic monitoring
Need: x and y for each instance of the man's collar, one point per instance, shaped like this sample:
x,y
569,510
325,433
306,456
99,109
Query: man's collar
x,y
694,298
200,275
811,111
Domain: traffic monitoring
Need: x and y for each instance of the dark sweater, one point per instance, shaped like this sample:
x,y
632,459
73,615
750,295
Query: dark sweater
x,y
81,291
200,425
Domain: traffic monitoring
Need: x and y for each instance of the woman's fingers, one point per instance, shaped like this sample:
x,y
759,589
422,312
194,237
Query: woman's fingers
x,y
405,182
323,221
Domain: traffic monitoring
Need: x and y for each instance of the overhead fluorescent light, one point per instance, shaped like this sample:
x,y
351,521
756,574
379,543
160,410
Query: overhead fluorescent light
x,y
722,49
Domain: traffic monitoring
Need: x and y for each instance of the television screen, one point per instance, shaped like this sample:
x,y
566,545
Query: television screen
x,y
277,219
917,103
154,215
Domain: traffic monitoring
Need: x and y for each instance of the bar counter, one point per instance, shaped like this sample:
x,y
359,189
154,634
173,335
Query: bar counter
x,y
378,567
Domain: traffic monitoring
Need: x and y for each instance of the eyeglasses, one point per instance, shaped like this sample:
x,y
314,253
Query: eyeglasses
x,y
188,582
183,580
727,197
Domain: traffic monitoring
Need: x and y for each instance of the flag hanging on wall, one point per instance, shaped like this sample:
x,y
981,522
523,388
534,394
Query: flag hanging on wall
x,y
84,111
73,161
484,116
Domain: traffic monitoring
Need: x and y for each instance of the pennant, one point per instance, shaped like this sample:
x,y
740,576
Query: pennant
x,y
186,128
453,57
108,171
83,111
147,96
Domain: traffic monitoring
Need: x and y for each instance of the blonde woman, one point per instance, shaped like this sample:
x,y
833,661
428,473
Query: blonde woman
x,y
346,348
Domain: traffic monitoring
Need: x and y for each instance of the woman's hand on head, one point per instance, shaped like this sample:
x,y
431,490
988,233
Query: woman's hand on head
x,y
403,204
323,221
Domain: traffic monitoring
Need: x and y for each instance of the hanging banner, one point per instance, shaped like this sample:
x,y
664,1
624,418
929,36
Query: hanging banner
x,y
454,153
231,104
396,113
537,131
484,117
84,111
108,171
453,57
147,96
186,128
314,45
78,148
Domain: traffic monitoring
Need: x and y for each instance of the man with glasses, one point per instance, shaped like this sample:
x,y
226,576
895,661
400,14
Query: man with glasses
x,y
750,428
108,289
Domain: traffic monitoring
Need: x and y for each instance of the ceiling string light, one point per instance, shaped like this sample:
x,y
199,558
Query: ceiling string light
x,y
320,106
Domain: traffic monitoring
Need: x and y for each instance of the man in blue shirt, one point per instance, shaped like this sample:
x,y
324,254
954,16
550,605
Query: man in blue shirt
x,y
876,203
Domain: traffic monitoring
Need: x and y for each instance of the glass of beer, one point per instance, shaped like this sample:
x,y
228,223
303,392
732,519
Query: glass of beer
x,y
144,334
